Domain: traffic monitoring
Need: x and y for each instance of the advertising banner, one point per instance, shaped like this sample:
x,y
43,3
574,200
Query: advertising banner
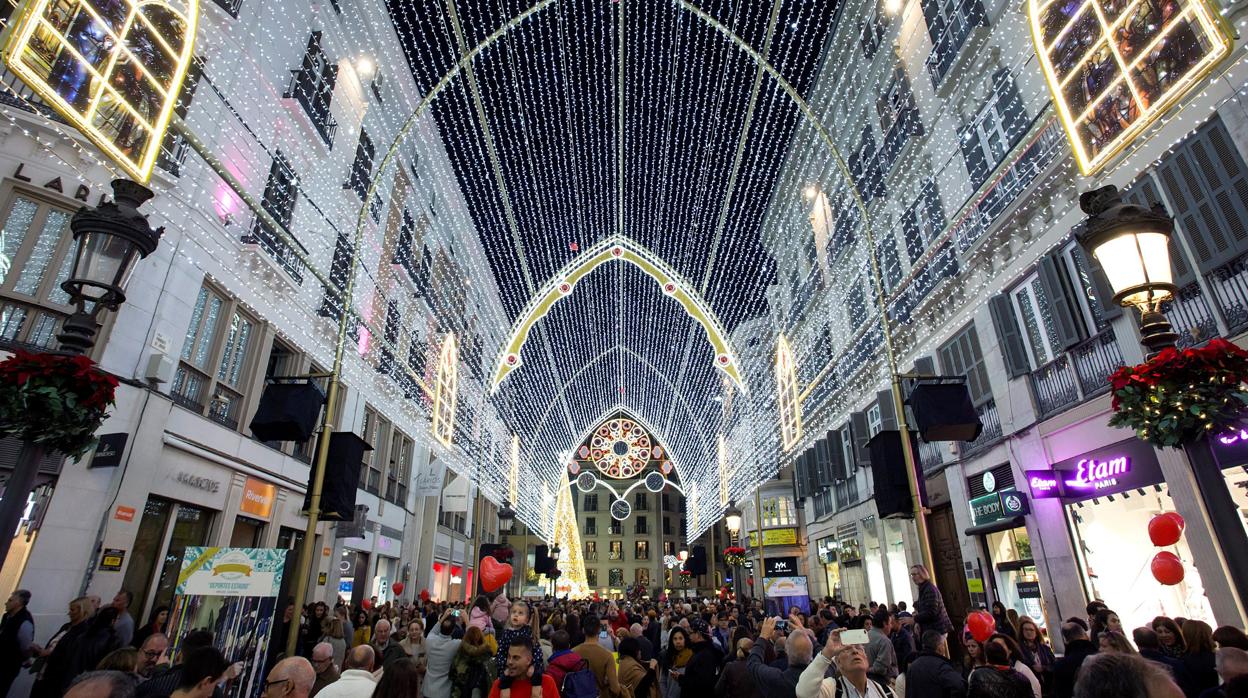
x,y
783,593
232,593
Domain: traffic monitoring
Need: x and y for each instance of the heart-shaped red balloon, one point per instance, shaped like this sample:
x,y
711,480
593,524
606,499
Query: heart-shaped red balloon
x,y
1164,529
1167,568
398,588
367,604
981,625
494,574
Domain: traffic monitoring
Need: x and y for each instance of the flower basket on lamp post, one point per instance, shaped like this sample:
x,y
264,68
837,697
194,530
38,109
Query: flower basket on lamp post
x,y
54,401
735,555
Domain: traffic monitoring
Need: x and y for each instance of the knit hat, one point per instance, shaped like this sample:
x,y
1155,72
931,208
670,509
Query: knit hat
x,y
697,625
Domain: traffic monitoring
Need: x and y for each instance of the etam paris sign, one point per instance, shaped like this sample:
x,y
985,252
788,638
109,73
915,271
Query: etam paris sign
x,y
780,567
1125,465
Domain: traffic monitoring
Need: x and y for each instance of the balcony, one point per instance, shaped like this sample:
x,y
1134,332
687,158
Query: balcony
x,y
15,93
1094,360
1054,387
281,253
1229,284
931,456
302,90
173,155
1077,375
28,326
947,48
991,434
1191,316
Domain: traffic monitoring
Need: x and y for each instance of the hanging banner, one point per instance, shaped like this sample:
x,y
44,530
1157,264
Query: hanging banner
x,y
430,478
455,496
112,68
783,593
232,592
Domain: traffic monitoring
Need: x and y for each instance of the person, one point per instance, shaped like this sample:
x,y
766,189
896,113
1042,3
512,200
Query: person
x,y
442,647
902,637
123,659
851,673
880,653
1230,636
734,680
1078,648
97,640
102,684
702,670
562,659
931,674
1015,654
974,657
929,605
1170,637
1105,620
1149,647
401,679
336,636
1002,620
520,669
155,624
1232,665
518,626
387,648
479,615
17,633
997,677
1117,675
313,626
773,682
363,633
636,678
153,648
646,647
1199,668
500,608
600,661
55,670
357,679
164,681
675,659
1114,641
124,625
290,678
472,670
1037,654
323,665
200,673
414,643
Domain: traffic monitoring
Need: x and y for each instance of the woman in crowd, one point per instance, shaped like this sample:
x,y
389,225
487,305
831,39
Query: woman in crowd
x,y
155,624
1198,672
1015,655
1002,620
734,680
400,680
1230,636
674,660
472,670
315,627
995,677
1170,637
636,679
1037,654
363,629
337,638
974,657
1114,641
414,642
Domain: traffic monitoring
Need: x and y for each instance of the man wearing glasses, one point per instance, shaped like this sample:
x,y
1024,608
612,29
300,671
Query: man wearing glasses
x,y
153,647
290,678
323,664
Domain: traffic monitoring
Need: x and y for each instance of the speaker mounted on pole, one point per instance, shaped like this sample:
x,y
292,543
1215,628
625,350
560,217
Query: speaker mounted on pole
x,y
943,410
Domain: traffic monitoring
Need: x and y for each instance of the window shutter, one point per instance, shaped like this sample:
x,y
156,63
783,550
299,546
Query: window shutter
x,y
1010,106
976,163
1146,193
861,434
925,365
823,460
840,468
1009,337
1062,304
888,415
812,469
935,25
799,475
1104,299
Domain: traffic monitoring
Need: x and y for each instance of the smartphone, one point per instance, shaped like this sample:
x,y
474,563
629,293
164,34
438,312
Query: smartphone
x,y
782,624
854,637
455,613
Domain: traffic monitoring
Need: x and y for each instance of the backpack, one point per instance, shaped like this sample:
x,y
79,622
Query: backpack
x,y
580,683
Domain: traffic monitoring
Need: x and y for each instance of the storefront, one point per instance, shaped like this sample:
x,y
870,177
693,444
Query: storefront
x,y
853,580
998,511
1108,497
828,560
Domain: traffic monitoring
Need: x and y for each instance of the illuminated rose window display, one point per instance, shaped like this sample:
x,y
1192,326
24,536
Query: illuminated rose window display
x,y
620,448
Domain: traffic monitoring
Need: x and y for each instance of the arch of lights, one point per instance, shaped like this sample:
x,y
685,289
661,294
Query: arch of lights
x,y
619,248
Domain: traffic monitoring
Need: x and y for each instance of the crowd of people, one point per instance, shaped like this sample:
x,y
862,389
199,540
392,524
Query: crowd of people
x,y
640,648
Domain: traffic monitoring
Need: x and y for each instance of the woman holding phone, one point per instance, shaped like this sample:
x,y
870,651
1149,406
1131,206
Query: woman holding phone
x,y
675,658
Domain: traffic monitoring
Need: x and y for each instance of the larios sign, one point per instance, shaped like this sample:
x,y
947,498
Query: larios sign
x,y
1125,465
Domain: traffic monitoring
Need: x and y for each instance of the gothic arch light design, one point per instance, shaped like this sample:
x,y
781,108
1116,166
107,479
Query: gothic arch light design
x,y
617,249
1112,72
445,392
618,411
788,400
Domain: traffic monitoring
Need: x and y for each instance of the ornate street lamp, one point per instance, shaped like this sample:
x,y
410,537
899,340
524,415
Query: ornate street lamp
x,y
554,553
108,241
732,519
506,519
1132,245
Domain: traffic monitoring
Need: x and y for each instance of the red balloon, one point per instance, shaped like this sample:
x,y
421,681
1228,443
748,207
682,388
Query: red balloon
x,y
1167,568
494,574
398,588
1163,530
367,604
982,625
1178,520
424,595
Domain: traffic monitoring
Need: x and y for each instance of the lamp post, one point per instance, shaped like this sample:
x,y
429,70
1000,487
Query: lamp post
x,y
554,556
732,520
108,241
1132,245
506,526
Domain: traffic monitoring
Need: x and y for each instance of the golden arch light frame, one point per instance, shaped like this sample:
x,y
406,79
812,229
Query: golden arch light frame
x,y
446,392
788,398
112,68
617,249
1114,67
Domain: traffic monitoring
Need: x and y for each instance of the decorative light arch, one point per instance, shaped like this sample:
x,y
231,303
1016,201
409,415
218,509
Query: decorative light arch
x,y
619,248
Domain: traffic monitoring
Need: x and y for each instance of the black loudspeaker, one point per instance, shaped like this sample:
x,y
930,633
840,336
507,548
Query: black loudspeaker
x,y
541,560
287,412
342,477
944,412
696,564
888,470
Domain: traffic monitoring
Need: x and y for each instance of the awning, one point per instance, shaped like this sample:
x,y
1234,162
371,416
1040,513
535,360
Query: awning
x,y
995,526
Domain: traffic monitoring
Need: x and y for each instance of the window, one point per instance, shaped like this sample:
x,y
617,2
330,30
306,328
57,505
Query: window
x,y
962,356
949,24
591,502
591,551
591,576
641,502
641,550
865,166
280,195
666,502
615,577
616,551
669,548
871,34
857,304
1033,310
313,87
899,119
923,221
376,432
778,511
38,248
339,272
174,149
667,526
406,251
641,527
362,167
617,527
875,419
591,525
230,6
889,261
398,475
998,127
213,367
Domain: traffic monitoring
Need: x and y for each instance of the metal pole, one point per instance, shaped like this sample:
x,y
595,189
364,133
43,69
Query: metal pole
x,y
476,541
912,477
758,568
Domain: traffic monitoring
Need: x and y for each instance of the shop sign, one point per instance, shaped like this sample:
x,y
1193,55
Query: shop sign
x,y
775,536
258,497
1231,449
1028,590
124,513
975,586
198,482
996,506
780,567
1125,465
108,450
322,579
111,560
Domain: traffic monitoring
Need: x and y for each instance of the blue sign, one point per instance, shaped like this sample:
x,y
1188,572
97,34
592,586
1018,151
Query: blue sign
x,y
345,586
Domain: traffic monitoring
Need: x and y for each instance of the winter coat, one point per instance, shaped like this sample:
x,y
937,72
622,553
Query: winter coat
x,y
997,682
500,608
929,609
1066,668
472,672
932,676
702,671
441,653
479,618
563,663
1197,674
633,679
734,681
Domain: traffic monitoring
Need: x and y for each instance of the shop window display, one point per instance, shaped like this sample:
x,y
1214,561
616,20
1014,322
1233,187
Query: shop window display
x,y
1018,584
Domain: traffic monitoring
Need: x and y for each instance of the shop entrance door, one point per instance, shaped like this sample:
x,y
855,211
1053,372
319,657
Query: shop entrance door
x,y
165,532
948,561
